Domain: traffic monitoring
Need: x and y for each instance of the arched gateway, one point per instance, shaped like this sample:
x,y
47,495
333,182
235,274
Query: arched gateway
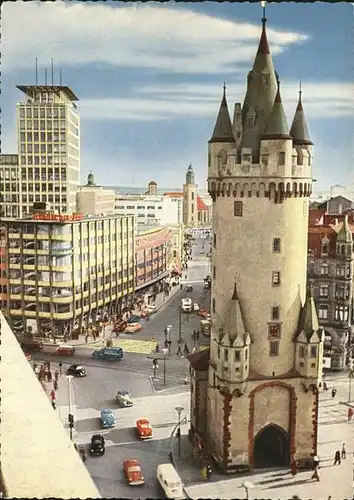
x,y
271,447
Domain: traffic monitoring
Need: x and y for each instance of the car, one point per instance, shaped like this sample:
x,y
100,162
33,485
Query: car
x,y
187,304
77,371
204,313
123,398
108,418
108,353
151,308
64,350
189,288
144,428
32,345
133,473
133,319
133,328
195,307
97,446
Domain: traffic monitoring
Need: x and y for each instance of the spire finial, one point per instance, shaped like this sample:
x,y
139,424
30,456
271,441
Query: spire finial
x,y
264,19
300,91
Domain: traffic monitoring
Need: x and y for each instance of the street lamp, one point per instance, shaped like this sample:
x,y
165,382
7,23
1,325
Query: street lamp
x,y
179,410
71,422
164,352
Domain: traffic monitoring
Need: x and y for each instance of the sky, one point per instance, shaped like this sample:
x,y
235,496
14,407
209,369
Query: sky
x,y
149,79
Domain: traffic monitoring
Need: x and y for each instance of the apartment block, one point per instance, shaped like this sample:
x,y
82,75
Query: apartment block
x,y
63,269
48,131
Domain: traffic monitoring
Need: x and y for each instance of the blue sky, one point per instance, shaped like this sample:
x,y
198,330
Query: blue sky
x,y
149,78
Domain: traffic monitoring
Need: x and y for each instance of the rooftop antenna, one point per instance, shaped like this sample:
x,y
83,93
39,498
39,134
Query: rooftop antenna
x,y
45,77
264,19
60,77
36,70
52,70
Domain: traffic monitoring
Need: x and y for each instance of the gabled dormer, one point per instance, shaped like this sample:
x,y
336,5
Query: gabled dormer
x,y
309,341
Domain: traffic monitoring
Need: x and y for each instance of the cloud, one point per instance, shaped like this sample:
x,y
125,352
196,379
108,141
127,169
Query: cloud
x,y
165,38
321,100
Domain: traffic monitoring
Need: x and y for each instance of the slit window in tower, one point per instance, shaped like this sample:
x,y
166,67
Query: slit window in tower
x,y
213,305
275,312
276,278
214,237
276,245
237,356
238,209
301,351
214,272
273,348
226,355
281,158
313,351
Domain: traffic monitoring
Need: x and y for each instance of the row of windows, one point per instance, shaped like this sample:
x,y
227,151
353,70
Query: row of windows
x,y
341,270
44,160
43,125
341,291
341,312
42,148
47,112
43,137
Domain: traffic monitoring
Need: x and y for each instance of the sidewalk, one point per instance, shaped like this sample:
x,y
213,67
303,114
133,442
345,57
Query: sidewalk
x,y
336,481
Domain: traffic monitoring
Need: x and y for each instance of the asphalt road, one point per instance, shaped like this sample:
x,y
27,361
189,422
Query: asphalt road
x,y
152,399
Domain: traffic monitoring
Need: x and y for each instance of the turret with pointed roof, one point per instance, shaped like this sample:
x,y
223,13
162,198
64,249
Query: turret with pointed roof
x,y
299,131
261,91
223,128
345,235
309,321
277,126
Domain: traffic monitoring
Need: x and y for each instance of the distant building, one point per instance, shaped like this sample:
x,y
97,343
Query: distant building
x,y
152,188
48,131
337,205
10,186
64,268
330,270
95,200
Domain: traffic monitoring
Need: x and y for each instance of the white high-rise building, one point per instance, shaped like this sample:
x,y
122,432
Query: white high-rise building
x,y
48,131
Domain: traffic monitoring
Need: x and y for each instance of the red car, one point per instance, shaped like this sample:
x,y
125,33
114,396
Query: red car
x,y
144,428
133,473
65,350
203,312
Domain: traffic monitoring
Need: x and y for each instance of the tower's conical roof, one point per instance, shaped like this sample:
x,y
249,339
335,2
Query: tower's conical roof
x,y
277,126
234,324
309,323
261,91
223,128
345,235
299,131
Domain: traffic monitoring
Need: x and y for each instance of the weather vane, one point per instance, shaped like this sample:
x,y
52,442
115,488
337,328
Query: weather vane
x,y
263,5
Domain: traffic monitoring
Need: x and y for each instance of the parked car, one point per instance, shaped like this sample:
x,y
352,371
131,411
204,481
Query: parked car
x,y
119,326
77,371
109,353
133,473
133,328
65,350
151,308
189,288
133,319
205,327
187,304
204,313
97,446
123,398
108,418
32,345
144,428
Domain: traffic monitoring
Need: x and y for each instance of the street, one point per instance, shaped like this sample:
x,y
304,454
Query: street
x,y
152,398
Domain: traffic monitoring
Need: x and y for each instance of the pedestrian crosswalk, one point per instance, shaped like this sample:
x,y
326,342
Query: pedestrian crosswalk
x,y
128,345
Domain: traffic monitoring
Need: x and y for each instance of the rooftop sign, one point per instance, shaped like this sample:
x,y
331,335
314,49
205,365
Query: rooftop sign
x,y
57,217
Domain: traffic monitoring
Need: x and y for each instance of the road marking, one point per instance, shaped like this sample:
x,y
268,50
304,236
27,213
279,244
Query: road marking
x,y
128,345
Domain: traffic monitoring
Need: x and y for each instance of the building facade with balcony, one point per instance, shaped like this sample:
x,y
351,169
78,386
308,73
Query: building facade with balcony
x,y
153,260
330,270
63,269
48,131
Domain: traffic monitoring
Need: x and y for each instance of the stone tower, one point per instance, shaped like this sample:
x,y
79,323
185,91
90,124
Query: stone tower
x,y
266,345
190,216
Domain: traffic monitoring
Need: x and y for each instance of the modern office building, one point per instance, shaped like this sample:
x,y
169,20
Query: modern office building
x,y
48,130
62,269
330,270
95,200
10,197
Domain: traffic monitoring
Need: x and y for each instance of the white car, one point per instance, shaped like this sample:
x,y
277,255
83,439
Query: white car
x,y
151,308
187,304
196,307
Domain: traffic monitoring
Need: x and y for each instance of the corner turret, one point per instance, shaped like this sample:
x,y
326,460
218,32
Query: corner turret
x,y
344,246
309,342
298,130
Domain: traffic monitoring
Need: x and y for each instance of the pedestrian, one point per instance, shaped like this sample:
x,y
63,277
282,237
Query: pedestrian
x,y
86,338
198,334
54,405
55,385
60,367
179,351
209,472
194,350
343,452
49,376
315,474
316,462
56,375
350,413
52,395
185,379
166,343
293,469
185,348
157,348
337,458
325,388
334,392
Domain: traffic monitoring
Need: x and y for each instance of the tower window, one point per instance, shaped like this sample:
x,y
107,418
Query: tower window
x,y
313,351
214,238
192,196
276,245
301,351
226,355
213,305
275,278
273,348
237,356
238,209
282,158
275,312
251,121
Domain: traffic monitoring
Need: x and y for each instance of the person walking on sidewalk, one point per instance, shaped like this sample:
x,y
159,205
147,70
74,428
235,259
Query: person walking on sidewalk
x,y
315,474
350,413
86,338
60,367
343,452
179,351
337,458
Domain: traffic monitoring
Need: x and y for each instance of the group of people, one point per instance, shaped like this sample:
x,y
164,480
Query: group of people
x,y
44,374
338,457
